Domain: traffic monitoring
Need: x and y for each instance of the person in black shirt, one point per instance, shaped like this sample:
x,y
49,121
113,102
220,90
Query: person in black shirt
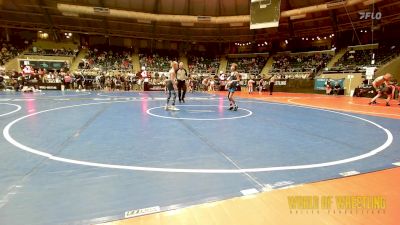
x,y
365,82
271,84
181,77
2,84
337,88
79,81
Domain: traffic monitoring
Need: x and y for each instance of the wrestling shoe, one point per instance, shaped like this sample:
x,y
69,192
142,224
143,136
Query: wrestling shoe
x,y
173,108
167,107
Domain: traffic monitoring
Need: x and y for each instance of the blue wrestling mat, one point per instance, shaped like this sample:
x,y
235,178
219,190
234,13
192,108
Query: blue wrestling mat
x,y
83,158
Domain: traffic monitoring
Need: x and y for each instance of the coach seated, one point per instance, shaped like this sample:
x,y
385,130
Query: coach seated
x,y
337,89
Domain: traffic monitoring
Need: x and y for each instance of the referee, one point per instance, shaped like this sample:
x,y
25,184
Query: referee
x,y
181,75
271,84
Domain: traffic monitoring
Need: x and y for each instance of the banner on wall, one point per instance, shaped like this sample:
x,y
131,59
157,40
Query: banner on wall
x,y
281,82
319,83
49,65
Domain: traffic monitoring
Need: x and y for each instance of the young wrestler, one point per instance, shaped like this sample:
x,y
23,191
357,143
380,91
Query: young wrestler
x,y
171,86
378,84
233,82
389,92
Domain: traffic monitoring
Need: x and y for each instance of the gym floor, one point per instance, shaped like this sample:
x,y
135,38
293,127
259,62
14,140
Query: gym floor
x,y
90,157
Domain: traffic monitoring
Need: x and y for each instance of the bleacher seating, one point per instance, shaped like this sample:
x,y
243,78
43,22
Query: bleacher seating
x,y
301,63
52,52
203,64
157,62
8,52
107,59
356,60
387,51
250,65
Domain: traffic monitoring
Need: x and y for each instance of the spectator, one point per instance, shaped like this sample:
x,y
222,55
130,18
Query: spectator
x,y
250,85
67,80
337,88
328,87
2,83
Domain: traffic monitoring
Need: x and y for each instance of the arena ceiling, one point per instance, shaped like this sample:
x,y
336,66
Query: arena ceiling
x,y
46,15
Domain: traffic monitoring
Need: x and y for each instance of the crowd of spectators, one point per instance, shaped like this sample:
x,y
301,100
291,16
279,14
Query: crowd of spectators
x,y
157,62
110,68
8,52
301,63
52,52
107,59
13,80
203,64
299,66
33,79
68,81
355,59
250,65
387,51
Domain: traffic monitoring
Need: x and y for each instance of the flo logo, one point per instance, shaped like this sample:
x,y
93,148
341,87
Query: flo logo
x,y
370,15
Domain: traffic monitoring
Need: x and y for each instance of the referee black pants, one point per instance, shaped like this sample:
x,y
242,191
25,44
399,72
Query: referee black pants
x,y
181,90
271,87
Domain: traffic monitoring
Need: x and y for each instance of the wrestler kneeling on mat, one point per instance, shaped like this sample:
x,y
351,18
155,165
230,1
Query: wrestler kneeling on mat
x,y
379,84
389,92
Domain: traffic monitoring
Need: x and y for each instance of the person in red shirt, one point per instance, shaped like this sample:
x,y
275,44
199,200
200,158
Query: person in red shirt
x,y
67,80
27,70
